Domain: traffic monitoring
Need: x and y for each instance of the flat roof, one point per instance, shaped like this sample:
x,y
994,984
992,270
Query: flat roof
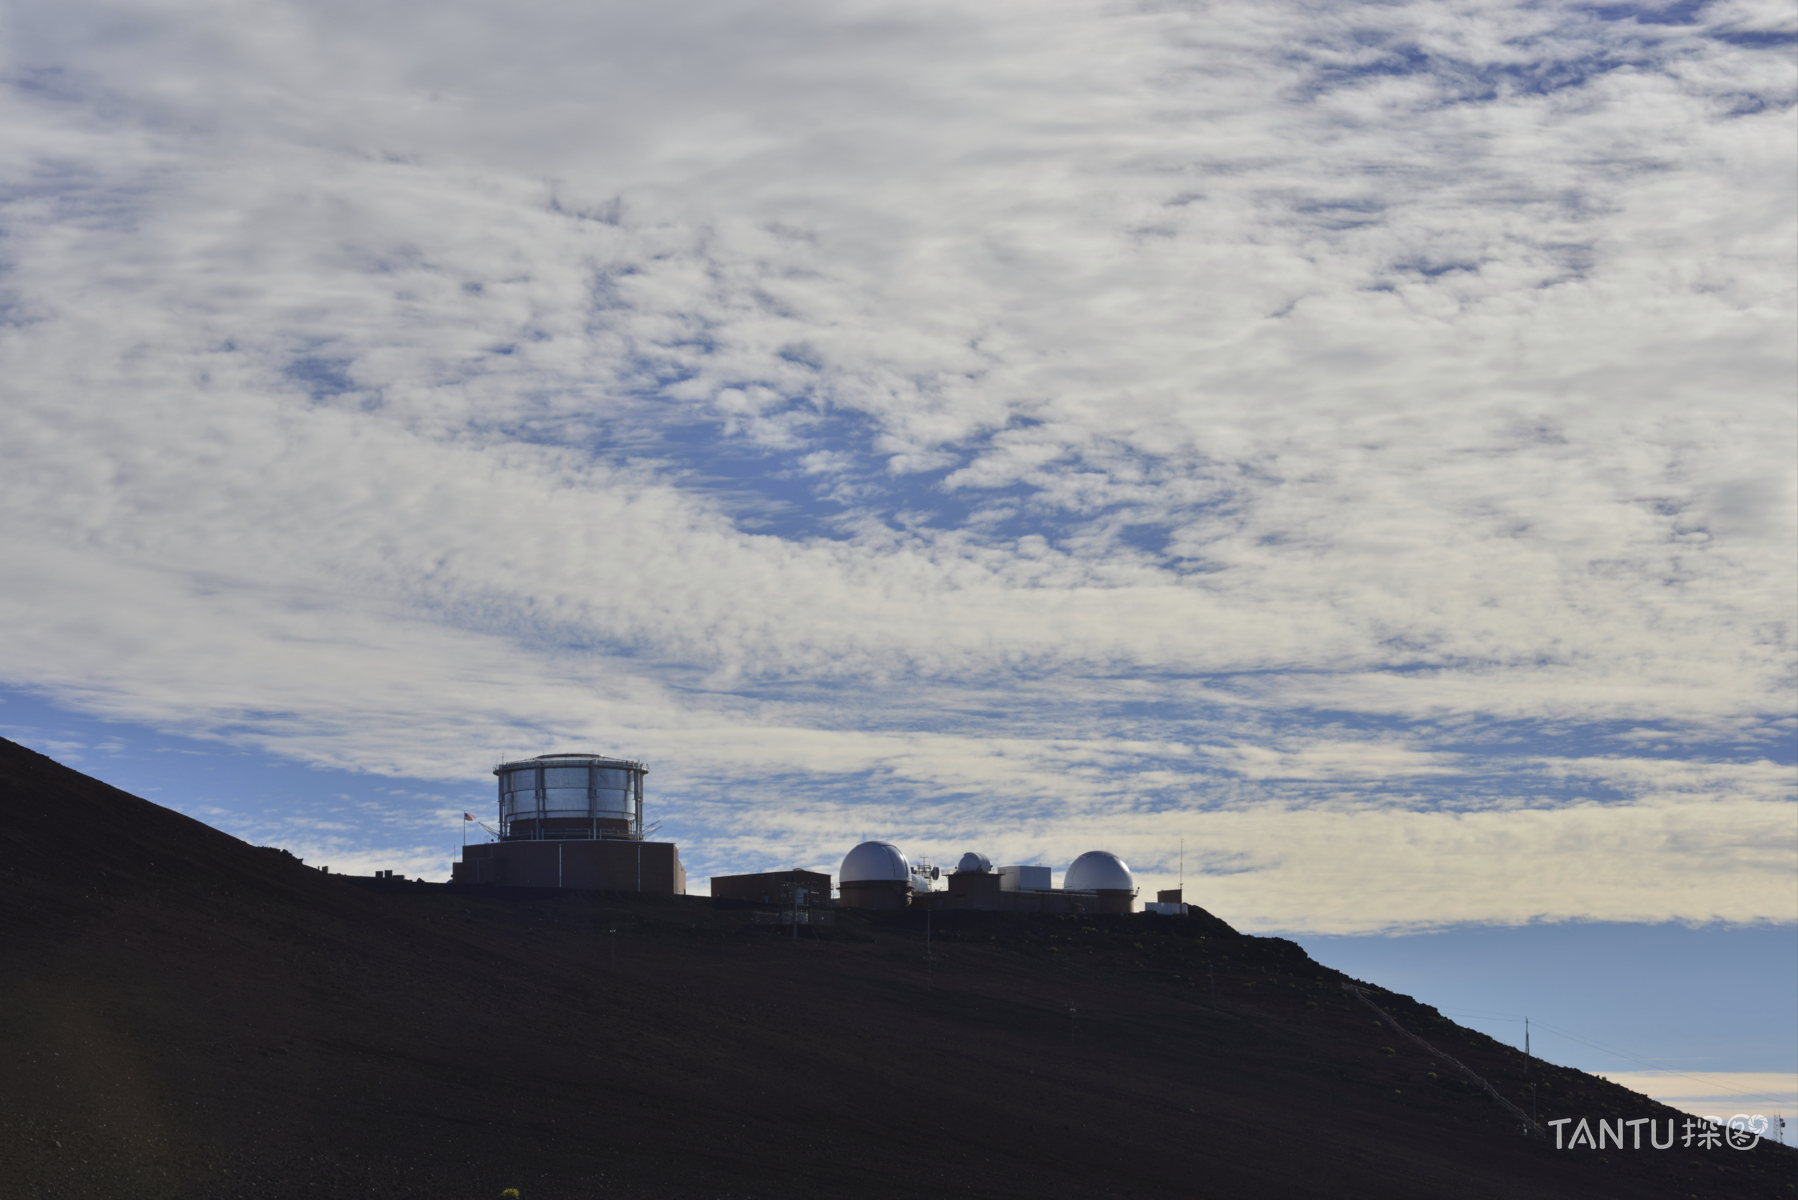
x,y
583,759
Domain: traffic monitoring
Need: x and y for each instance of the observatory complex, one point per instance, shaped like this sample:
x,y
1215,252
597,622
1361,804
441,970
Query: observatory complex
x,y
576,821
573,821
877,875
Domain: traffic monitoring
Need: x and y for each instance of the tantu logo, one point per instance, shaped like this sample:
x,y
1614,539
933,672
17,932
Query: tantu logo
x,y
1740,1132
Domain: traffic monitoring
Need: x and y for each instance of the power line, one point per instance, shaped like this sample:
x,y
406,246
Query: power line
x,y
1649,1063
1474,1012
1658,1067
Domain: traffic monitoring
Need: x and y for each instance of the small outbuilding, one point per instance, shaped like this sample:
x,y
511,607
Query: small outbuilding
x,y
782,889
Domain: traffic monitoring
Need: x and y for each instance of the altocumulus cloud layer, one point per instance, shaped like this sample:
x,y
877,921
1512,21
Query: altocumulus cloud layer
x,y
1356,439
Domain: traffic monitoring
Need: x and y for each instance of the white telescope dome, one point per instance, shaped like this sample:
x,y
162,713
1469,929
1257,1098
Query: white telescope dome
x,y
973,860
1099,871
874,862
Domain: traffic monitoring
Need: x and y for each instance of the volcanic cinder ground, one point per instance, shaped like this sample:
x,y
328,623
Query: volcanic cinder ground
x,y
190,1016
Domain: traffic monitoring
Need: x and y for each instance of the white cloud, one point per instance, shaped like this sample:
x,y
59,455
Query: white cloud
x,y
1720,1094
1022,404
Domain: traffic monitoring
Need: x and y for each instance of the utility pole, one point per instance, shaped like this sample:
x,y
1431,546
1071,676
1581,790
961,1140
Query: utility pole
x,y
612,933
1526,1068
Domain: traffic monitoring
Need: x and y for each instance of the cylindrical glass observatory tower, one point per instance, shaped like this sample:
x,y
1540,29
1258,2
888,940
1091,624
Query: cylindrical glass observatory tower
x,y
581,797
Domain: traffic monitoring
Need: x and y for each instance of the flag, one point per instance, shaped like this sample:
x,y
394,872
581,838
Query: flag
x,y
468,816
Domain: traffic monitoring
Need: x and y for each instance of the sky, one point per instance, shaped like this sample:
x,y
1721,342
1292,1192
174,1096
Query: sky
x,y
1341,455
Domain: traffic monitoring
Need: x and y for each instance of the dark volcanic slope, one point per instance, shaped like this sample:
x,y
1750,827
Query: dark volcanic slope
x,y
188,1016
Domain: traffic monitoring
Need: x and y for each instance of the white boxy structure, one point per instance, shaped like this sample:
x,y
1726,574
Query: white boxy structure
x,y
1020,878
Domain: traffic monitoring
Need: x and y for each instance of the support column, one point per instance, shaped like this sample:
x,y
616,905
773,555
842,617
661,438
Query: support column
x,y
537,777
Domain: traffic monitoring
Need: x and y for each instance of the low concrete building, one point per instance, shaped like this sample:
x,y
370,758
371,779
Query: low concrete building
x,y
605,865
781,889
1053,901
1167,903
1096,882
974,884
876,875
1024,877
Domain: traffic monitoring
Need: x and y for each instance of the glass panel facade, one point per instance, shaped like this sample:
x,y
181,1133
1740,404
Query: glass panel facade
x,y
563,802
566,794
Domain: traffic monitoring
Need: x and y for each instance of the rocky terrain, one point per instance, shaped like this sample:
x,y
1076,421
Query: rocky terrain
x,y
190,1016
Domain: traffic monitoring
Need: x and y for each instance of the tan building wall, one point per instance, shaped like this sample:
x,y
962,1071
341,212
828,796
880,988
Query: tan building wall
x,y
1043,900
772,887
1115,901
974,889
611,865
886,895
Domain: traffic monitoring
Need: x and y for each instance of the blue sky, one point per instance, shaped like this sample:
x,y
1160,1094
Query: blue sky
x,y
1356,440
